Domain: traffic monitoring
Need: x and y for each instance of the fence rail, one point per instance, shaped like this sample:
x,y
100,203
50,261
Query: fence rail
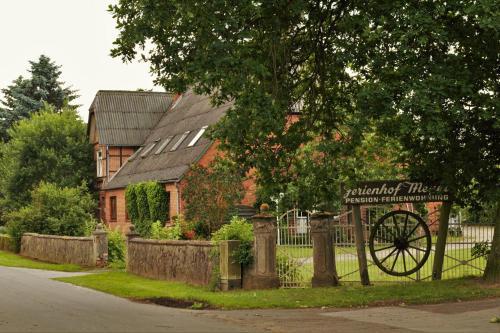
x,y
464,254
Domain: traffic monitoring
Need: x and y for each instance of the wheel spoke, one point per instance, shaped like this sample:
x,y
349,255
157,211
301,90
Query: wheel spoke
x,y
416,248
415,239
395,260
413,230
394,220
411,255
404,259
384,248
390,254
406,224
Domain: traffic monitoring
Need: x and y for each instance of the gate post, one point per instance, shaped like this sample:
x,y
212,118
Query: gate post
x,y
100,237
360,246
262,273
325,273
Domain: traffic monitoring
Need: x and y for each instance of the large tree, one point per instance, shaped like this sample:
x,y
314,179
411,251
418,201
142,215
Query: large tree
x,y
425,73
51,147
27,95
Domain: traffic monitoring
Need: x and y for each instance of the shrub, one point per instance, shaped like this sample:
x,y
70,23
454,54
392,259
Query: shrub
x,y
53,210
211,194
287,267
3,229
146,202
481,249
158,231
131,202
116,247
238,229
157,202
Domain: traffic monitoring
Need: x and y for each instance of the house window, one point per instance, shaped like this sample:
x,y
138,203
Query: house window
x,y
197,136
178,143
147,150
131,158
163,145
99,163
112,206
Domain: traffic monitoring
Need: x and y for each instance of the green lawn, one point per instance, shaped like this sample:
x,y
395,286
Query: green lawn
x,y
13,260
348,295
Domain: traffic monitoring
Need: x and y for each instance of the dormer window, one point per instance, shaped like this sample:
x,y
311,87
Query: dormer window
x,y
163,145
197,136
150,147
131,158
181,139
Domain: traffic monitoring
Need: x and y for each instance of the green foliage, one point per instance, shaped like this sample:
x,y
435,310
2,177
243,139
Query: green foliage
x,y
90,226
157,201
238,229
116,247
481,249
51,147
211,194
146,202
159,232
131,202
27,95
287,266
53,210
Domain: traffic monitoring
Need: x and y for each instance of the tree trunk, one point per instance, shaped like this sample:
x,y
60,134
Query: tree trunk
x,y
492,270
360,246
444,216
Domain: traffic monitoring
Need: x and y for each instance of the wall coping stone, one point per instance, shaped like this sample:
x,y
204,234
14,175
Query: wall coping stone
x,y
87,239
172,242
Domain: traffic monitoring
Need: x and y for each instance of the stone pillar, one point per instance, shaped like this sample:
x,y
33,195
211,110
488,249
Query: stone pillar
x,y
100,245
325,273
230,270
131,234
262,273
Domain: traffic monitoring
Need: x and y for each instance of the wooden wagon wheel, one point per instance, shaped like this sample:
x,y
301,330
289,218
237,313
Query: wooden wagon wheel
x,y
400,243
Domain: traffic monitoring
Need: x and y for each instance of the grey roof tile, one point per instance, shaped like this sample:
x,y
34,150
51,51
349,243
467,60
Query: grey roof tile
x,y
191,113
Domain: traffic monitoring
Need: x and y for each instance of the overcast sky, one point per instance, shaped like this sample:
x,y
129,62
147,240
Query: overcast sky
x,y
76,34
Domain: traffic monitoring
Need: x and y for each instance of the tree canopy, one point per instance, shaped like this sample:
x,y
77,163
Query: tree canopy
x,y
425,74
27,95
49,146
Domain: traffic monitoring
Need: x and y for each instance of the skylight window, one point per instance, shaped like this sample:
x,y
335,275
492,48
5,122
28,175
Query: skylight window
x,y
147,150
178,143
197,136
163,145
131,158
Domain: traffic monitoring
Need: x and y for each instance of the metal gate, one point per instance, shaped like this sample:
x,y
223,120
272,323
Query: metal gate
x,y
464,254
294,249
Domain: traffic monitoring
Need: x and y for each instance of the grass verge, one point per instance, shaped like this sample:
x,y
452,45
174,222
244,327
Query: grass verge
x,y
348,295
13,260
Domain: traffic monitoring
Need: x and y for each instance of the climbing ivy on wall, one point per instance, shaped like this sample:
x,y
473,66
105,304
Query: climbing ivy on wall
x,y
147,202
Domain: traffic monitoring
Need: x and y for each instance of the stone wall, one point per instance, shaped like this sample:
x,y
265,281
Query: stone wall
x,y
177,260
6,243
60,249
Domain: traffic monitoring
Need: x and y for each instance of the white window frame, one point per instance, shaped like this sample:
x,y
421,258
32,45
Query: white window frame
x,y
99,163
164,145
179,142
197,136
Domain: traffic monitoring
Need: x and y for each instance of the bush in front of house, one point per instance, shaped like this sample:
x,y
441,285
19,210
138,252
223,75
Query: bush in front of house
x,y
53,210
180,229
146,202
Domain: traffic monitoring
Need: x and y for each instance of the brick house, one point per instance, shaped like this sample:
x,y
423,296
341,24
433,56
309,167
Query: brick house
x,y
143,136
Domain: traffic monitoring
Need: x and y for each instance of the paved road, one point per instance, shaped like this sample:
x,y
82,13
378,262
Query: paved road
x,y
31,302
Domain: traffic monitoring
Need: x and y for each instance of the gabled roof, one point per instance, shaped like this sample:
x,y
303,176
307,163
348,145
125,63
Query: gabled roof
x,y
190,114
125,118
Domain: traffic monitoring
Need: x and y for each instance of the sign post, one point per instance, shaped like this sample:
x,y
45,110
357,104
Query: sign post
x,y
399,242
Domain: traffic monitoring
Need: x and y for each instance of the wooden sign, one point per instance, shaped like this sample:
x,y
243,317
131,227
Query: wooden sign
x,y
392,191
